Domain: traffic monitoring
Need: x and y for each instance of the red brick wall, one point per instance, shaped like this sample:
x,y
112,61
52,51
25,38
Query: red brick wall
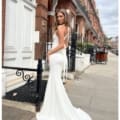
x,y
41,13
41,22
81,23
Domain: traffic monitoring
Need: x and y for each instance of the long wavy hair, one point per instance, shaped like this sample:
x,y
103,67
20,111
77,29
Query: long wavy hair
x,y
63,11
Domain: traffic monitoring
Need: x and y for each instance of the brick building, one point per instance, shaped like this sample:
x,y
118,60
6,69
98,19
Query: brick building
x,y
83,16
27,22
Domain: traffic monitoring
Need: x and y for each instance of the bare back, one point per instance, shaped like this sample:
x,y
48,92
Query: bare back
x,y
65,34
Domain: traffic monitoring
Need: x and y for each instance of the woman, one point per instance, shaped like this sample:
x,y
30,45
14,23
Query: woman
x,y
56,105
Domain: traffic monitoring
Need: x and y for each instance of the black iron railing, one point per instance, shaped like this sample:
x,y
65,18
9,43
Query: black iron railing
x,y
71,53
28,78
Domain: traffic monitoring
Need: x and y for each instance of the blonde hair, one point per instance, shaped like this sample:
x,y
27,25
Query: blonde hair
x,y
63,11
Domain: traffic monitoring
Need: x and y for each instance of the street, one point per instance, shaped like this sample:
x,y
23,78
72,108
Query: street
x,y
95,91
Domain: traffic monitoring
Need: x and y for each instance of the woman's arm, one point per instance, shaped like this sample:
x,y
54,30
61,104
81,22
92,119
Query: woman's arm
x,y
60,33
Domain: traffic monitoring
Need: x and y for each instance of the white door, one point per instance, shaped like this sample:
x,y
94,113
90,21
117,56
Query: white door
x,y
19,33
19,38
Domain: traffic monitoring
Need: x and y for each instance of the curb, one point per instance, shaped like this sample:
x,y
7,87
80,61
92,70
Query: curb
x,y
20,105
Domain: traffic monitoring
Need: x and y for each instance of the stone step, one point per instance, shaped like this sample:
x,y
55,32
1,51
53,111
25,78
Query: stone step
x,y
13,81
20,105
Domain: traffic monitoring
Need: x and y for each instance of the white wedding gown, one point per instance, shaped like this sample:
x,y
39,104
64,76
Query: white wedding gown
x,y
57,105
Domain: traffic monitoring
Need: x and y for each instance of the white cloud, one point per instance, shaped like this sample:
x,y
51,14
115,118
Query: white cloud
x,y
108,13
113,21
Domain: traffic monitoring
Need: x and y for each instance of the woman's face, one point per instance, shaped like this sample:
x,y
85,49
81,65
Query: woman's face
x,y
60,18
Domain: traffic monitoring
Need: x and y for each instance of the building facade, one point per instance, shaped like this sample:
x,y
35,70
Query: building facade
x,y
26,22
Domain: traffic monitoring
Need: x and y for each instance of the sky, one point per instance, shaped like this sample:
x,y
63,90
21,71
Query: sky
x,y
108,14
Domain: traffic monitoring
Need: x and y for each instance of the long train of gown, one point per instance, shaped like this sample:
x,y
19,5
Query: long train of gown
x,y
57,105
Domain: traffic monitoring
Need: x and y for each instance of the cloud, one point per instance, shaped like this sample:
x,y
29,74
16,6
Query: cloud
x,y
108,14
111,30
113,20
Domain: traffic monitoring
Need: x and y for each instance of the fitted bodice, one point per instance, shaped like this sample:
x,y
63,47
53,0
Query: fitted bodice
x,y
56,42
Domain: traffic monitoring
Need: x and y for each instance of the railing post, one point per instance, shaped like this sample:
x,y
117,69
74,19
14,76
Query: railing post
x,y
73,51
39,80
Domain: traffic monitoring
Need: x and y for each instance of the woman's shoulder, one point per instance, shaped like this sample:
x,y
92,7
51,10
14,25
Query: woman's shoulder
x,y
63,28
59,27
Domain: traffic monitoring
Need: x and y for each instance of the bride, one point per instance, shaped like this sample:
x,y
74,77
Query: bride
x,y
57,105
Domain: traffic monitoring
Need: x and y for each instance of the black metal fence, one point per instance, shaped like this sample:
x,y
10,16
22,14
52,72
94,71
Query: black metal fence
x,y
71,53
39,93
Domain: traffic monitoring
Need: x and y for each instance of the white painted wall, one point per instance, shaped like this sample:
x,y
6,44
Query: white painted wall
x,y
82,61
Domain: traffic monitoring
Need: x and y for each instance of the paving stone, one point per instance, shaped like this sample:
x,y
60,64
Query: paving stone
x,y
11,113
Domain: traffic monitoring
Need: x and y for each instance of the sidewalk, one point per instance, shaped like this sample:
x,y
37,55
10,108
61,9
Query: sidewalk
x,y
94,91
